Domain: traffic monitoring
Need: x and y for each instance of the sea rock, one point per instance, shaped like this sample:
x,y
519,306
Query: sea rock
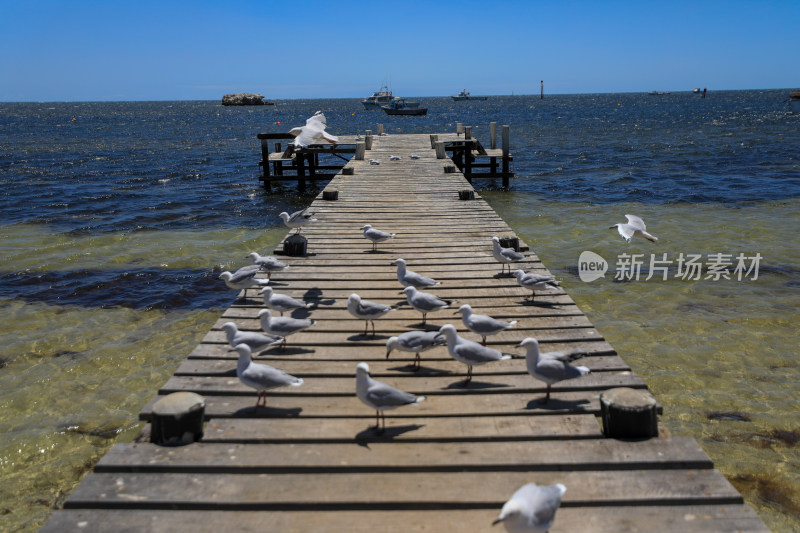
x,y
243,99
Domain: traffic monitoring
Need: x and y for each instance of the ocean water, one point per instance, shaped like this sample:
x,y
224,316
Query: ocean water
x,y
116,219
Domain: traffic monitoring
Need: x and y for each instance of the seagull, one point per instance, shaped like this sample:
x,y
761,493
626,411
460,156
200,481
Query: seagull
x,y
254,340
281,302
424,302
298,219
506,256
535,282
282,325
531,508
414,341
243,278
313,132
483,325
407,278
394,158
366,310
261,377
376,235
374,162
414,156
550,367
468,352
381,396
268,263
634,227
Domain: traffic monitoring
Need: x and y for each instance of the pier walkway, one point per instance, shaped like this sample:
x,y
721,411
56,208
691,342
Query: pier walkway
x,y
310,461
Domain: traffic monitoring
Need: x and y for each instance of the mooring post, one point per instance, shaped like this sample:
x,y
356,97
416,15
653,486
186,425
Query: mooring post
x,y
493,135
459,128
265,159
295,245
380,129
368,140
467,167
360,147
301,170
506,135
177,419
628,414
434,139
440,153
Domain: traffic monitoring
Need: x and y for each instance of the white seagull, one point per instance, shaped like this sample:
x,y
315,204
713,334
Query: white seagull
x,y
483,325
468,352
261,377
267,263
374,162
531,508
535,282
506,256
366,310
415,342
313,132
407,278
424,302
281,302
394,158
376,235
254,340
634,227
550,367
381,396
243,279
298,219
282,325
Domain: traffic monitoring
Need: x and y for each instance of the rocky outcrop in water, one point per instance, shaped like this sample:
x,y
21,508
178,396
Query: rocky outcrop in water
x,y
244,99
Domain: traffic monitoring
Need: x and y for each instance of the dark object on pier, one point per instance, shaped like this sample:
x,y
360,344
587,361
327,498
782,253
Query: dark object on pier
x,y
244,99
469,194
348,171
449,169
177,419
330,195
295,246
510,242
628,414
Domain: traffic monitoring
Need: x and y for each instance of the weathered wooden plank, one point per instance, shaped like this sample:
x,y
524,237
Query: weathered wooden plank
x,y
394,490
686,519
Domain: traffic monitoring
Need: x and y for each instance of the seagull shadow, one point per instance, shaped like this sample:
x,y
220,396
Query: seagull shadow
x,y
273,283
363,438
539,303
378,252
300,313
314,297
476,385
421,370
424,327
554,404
503,275
268,412
289,350
368,336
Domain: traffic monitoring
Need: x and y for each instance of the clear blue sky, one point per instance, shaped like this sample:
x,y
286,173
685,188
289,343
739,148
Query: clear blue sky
x,y
83,50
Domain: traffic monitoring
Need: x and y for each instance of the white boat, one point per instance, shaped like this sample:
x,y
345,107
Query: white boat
x,y
383,97
794,101
464,95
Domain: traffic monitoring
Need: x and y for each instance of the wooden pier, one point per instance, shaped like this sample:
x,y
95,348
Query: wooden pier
x,y
310,461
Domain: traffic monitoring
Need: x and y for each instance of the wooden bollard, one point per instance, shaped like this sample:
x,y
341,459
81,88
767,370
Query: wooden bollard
x,y
493,135
380,129
295,246
510,242
434,140
177,419
628,414
330,194
449,169
348,171
440,153
368,140
360,147
459,128
468,132
466,194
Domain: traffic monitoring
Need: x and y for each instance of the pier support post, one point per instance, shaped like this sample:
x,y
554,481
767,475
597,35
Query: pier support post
x,y
628,414
368,140
380,129
459,128
493,135
440,153
434,140
295,245
330,194
177,419
360,147
506,142
301,170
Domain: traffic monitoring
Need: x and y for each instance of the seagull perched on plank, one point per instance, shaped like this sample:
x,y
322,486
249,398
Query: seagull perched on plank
x,y
468,352
281,302
407,278
313,132
298,219
531,508
414,341
550,367
268,263
506,256
256,341
634,227
381,396
260,376
244,278
535,282
424,302
376,235
483,325
366,310
282,325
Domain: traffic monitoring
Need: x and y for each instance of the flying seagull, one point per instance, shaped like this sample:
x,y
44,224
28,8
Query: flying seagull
x,y
634,227
313,132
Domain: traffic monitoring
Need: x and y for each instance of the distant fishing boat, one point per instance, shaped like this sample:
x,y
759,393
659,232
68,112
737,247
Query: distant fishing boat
x,y
794,101
657,93
464,95
399,106
382,97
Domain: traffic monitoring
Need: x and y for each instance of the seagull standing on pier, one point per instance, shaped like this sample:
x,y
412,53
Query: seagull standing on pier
x,y
282,325
415,342
268,263
634,227
254,340
468,352
483,325
376,235
261,377
535,282
381,396
424,302
531,508
313,132
550,367
298,219
281,302
407,278
506,256
244,278
368,311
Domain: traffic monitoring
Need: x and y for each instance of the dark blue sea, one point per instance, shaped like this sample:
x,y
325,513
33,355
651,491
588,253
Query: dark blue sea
x,y
116,218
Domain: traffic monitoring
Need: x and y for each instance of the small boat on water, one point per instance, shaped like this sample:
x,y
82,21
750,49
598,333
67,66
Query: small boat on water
x,y
399,106
464,95
794,101
381,98
658,93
